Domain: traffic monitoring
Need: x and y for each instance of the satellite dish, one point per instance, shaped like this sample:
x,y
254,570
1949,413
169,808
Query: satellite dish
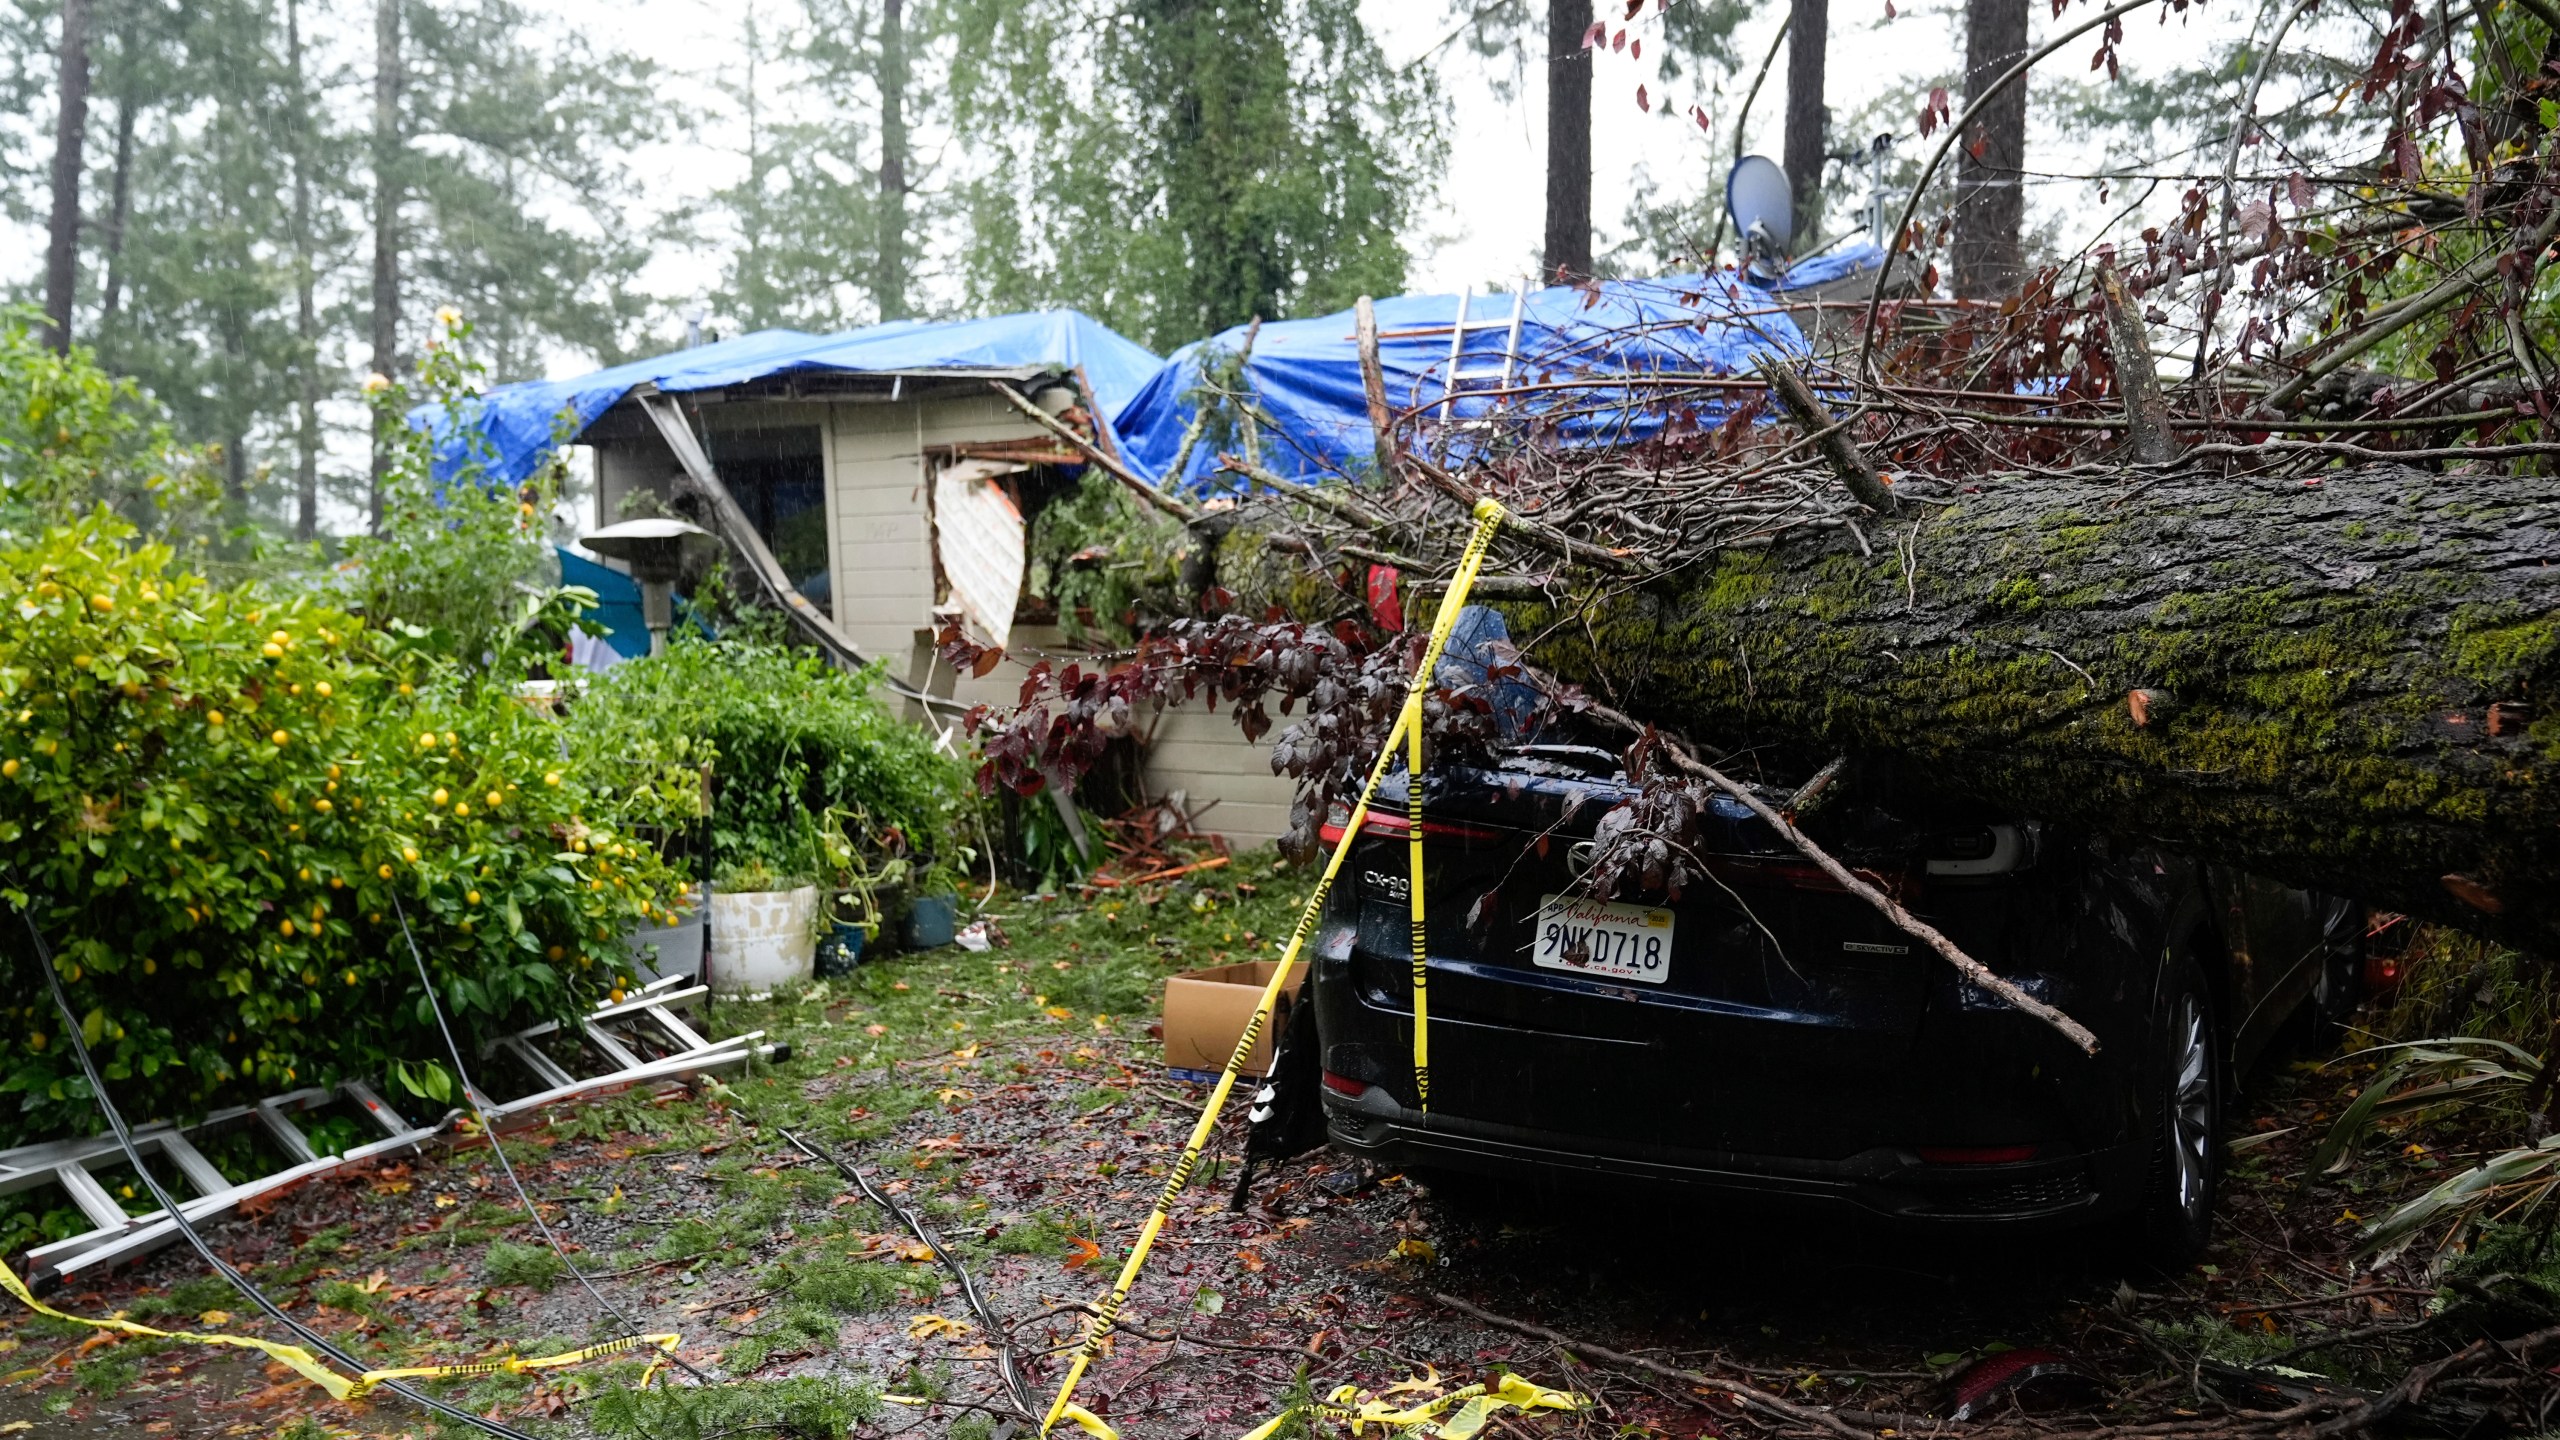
x,y
1763,206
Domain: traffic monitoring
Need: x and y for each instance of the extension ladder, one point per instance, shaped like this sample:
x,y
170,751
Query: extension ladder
x,y
634,1056
1457,377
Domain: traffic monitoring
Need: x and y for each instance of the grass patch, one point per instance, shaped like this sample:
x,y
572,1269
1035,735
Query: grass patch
x,y
534,1267
848,1287
814,1407
1038,1235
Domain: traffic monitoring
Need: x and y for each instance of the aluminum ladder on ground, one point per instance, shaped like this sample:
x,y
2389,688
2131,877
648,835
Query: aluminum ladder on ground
x,y
622,1032
119,1236
668,1049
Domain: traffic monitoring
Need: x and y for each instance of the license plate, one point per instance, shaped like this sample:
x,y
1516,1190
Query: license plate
x,y
1603,938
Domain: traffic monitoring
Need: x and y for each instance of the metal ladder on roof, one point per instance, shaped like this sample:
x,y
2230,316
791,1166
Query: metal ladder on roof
x,y
1456,378
641,1039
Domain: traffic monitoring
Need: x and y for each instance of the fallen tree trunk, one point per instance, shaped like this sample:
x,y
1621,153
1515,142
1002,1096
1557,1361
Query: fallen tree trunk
x,y
2350,682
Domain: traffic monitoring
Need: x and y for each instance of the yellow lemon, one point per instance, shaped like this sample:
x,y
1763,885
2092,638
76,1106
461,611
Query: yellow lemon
x,y
461,811
438,798
555,952
279,638
322,805
9,769
494,798
351,979
286,927
272,650
383,871
213,717
323,688
409,853
102,603
280,737
426,740
551,778
470,897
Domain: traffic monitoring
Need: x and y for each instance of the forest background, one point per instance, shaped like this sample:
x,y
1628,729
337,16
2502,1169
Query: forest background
x,y
275,198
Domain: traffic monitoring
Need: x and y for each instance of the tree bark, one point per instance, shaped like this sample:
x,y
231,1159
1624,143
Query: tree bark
x,y
1808,119
388,145
119,187
70,130
889,285
1990,202
306,315
2352,684
1568,249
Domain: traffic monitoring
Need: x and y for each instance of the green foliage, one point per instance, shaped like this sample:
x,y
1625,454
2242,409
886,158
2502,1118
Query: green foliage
x,y
461,562
1189,165
793,738
806,1406
850,1287
1101,557
217,803
1039,1235
533,1266
73,437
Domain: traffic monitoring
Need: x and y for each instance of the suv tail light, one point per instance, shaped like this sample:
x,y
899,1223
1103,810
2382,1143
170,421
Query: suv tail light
x,y
1392,825
1345,1085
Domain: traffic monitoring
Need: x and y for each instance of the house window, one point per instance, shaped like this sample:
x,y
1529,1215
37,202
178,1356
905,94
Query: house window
x,y
778,475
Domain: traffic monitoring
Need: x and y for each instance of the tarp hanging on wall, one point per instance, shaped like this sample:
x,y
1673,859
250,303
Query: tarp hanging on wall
x,y
518,422
1304,375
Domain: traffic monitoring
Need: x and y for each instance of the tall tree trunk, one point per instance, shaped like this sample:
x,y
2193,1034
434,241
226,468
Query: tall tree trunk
x,y
119,187
889,281
1990,202
2349,686
1808,119
387,167
1568,252
306,317
71,126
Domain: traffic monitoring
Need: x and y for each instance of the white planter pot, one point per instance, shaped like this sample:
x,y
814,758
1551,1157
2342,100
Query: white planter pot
x,y
763,939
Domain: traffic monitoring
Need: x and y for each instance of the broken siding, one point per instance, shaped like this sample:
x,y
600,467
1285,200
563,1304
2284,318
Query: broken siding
x,y
1190,749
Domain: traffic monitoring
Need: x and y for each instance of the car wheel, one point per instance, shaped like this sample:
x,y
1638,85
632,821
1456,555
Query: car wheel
x,y
2185,1081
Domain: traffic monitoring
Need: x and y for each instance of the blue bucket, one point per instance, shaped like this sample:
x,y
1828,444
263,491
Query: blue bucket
x,y
931,921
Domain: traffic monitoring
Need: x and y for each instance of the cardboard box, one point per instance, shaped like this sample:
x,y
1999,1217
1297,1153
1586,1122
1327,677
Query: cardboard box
x,y
1206,1010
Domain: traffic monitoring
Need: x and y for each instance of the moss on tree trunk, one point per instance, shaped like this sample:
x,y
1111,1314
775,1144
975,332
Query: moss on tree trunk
x,y
2354,682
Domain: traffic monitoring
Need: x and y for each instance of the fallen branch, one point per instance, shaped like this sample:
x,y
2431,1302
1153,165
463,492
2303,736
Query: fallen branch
x,y
1830,437
1107,882
1111,466
1847,879
1744,1395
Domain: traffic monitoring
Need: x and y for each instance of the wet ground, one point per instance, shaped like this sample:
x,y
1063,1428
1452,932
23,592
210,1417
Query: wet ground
x,y
1017,1097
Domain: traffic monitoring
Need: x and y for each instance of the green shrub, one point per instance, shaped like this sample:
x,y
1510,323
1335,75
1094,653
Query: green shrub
x,y
851,1287
211,800
790,738
532,1266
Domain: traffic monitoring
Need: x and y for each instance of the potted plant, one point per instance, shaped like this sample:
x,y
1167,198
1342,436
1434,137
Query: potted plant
x,y
764,929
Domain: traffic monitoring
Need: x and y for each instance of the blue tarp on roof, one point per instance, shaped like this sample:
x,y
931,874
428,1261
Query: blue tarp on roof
x,y
1304,375
518,421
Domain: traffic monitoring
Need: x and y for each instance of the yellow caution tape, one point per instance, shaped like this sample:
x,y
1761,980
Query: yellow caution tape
x,y
1098,1325
308,1366
1475,1404
1489,516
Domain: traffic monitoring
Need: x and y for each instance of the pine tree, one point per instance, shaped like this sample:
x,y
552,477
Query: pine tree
x,y
62,231
1179,166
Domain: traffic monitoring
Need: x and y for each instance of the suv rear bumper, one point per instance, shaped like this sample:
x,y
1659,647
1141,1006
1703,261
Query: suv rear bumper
x,y
2047,1192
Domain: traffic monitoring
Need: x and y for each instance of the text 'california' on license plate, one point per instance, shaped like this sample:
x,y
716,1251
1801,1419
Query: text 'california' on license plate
x,y
1603,938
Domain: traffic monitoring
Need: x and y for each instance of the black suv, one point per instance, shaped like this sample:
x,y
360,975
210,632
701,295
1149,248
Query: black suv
x,y
1768,1032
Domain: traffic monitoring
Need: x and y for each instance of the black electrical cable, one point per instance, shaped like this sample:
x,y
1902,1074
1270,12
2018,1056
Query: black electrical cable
x,y
186,1227
489,1128
1016,1382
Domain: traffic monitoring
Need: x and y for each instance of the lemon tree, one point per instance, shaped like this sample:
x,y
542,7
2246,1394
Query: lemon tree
x,y
219,801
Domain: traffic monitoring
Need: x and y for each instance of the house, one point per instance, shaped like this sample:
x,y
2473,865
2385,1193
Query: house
x,y
881,482
889,474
